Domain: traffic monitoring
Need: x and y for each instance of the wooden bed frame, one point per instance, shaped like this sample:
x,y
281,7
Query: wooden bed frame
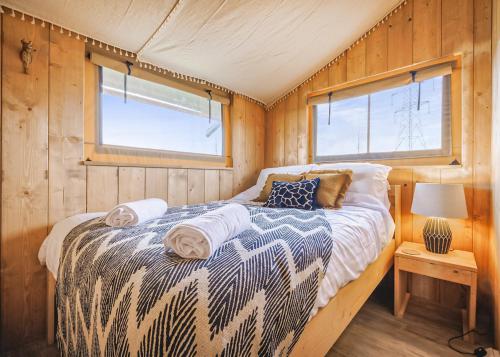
x,y
328,324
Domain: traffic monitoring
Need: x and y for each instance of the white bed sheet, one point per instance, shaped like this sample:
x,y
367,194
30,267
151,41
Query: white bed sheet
x,y
360,234
50,250
361,228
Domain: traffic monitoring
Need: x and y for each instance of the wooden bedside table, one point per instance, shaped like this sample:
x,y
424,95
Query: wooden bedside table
x,y
457,266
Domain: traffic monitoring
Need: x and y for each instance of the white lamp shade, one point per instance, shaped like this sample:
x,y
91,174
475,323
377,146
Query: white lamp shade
x,y
439,200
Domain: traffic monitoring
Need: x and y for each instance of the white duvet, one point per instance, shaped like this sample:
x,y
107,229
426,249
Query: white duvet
x,y
362,228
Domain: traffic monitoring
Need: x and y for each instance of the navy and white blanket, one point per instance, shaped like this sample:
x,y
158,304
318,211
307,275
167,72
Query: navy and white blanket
x,y
119,293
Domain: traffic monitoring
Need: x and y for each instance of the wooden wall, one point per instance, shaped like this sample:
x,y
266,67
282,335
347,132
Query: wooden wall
x,y
422,30
44,181
42,147
494,247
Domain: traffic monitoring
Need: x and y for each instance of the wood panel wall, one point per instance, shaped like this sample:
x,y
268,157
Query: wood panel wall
x,y
42,135
494,247
422,30
174,185
44,181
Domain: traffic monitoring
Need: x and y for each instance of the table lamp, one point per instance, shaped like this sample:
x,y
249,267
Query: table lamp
x,y
438,202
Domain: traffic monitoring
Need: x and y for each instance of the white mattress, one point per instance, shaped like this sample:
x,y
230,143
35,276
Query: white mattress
x,y
361,229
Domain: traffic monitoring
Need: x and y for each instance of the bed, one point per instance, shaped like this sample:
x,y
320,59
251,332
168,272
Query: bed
x,y
323,330
337,302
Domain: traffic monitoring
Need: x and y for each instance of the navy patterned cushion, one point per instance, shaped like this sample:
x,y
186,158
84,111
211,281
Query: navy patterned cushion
x,y
300,194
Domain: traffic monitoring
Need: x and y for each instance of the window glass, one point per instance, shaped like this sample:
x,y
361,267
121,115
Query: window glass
x,y
347,131
149,115
407,121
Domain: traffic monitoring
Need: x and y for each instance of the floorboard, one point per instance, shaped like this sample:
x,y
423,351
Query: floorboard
x,y
424,331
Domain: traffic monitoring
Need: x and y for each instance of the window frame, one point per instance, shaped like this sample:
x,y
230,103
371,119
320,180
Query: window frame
x,y
444,156
98,153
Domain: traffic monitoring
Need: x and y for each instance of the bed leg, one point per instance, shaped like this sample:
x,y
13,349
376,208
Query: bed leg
x,y
51,291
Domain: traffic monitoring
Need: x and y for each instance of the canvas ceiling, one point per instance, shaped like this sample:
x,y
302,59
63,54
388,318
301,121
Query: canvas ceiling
x,y
261,48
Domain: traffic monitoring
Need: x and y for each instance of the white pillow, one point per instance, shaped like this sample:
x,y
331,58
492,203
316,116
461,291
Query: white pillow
x,y
297,169
366,178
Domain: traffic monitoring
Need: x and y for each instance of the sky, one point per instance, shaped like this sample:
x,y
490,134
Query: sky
x,y
143,123
164,118
395,122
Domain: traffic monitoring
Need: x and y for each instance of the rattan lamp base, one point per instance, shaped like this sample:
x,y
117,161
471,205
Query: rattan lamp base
x,y
437,235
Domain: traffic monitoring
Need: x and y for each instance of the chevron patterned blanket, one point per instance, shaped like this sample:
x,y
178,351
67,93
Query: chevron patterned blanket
x,y
119,293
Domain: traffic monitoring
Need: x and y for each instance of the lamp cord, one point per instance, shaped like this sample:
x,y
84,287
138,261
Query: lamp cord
x,y
479,351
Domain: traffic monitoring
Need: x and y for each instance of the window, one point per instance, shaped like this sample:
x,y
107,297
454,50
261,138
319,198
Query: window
x,y
408,116
138,114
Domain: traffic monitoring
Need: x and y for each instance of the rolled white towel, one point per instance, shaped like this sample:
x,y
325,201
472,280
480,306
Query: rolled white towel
x,y
136,212
199,237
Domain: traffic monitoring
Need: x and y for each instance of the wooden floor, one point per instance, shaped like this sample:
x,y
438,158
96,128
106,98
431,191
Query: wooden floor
x,y
424,331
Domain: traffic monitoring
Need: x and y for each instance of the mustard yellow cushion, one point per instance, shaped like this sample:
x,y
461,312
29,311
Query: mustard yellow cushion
x,y
266,190
332,187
